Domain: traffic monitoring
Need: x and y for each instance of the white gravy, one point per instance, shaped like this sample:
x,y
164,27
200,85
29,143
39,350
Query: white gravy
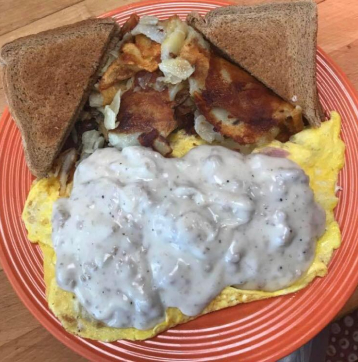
x,y
141,233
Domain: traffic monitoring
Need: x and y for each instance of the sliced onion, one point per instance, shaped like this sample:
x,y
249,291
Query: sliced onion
x,y
206,130
175,70
150,27
95,100
122,140
111,111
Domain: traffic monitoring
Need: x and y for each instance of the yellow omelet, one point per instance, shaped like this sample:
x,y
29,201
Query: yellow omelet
x,y
320,152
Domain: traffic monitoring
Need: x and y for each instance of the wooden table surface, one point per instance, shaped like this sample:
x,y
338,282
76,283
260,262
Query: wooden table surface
x,y
22,338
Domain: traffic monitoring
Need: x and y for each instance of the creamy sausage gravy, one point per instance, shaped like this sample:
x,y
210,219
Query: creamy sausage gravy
x,y
141,233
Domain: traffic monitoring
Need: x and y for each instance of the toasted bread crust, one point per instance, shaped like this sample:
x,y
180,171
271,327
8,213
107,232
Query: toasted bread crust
x,y
47,80
274,42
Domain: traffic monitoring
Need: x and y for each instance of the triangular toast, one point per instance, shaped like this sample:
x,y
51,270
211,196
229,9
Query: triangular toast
x,y
274,42
48,78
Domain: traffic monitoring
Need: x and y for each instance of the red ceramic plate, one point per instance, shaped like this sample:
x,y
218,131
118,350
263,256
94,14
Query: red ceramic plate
x,y
259,331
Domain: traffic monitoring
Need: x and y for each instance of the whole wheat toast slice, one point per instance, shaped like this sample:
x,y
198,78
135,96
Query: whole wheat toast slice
x,y
47,80
274,42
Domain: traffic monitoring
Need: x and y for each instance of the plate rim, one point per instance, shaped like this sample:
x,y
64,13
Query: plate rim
x,y
71,343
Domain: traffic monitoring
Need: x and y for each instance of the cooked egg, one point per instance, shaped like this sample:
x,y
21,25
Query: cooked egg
x,y
320,152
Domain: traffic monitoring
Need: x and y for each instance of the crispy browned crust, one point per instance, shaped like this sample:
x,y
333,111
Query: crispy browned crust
x,y
256,113
47,80
145,110
143,54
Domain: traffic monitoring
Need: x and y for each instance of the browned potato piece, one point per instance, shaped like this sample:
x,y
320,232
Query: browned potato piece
x,y
242,108
143,54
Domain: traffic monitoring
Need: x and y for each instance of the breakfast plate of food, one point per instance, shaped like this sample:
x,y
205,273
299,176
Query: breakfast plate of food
x,y
178,181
